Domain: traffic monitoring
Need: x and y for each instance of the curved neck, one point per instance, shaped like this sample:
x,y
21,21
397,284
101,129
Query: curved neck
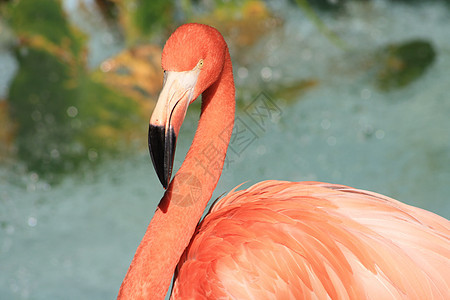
x,y
182,206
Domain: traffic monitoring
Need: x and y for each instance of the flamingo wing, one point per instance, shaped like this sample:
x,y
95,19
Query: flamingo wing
x,y
309,240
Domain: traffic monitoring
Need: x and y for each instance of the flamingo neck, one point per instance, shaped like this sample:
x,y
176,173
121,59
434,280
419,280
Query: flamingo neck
x,y
182,206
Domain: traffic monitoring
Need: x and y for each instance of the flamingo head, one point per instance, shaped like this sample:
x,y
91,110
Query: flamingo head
x,y
192,60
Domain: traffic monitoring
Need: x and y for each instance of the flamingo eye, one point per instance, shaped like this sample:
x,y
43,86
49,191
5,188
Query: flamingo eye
x,y
200,64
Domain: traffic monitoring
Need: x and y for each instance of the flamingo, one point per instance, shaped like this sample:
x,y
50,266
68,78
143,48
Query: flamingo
x,y
276,239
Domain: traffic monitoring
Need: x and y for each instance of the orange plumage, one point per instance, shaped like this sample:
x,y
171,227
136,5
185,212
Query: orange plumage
x,y
289,240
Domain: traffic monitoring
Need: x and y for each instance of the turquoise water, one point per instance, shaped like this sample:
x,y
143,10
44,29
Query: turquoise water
x,y
75,240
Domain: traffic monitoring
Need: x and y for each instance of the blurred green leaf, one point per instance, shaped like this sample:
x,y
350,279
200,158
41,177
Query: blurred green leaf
x,y
105,115
39,97
65,117
149,14
140,19
43,18
403,63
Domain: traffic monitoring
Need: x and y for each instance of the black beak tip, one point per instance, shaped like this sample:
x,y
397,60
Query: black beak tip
x,y
161,145
165,184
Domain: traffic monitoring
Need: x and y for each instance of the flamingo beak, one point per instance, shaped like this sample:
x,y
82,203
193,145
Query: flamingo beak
x,y
176,95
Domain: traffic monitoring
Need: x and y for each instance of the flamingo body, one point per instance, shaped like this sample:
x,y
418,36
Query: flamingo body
x,y
276,239
311,240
